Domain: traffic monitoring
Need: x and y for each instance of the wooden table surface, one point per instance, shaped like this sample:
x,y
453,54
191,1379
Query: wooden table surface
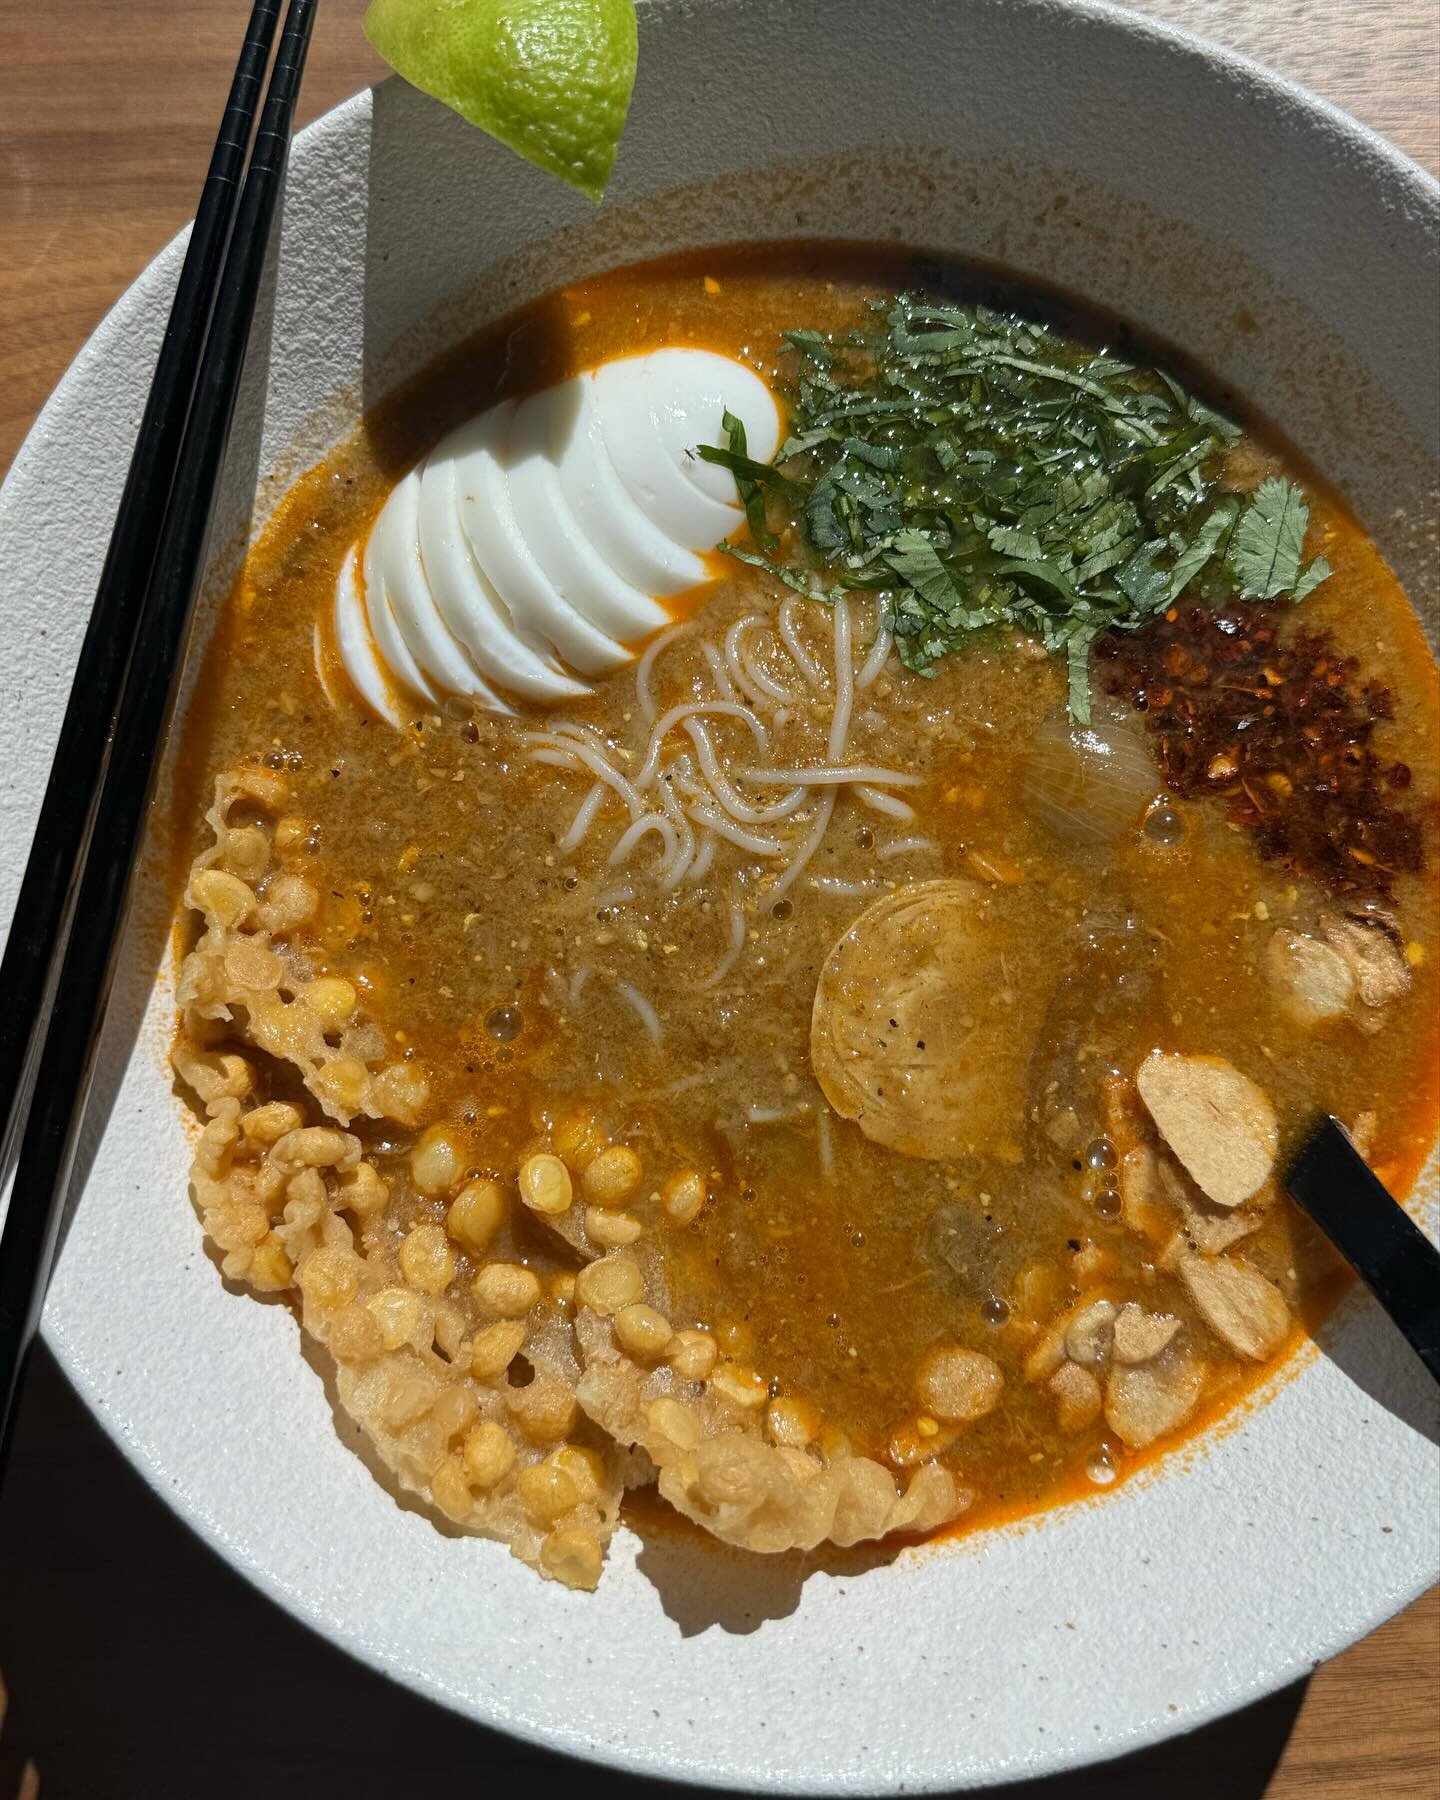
x,y
136,1663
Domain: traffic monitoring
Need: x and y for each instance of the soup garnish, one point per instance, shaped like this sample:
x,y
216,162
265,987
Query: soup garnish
x,y
550,79
1283,729
981,471
537,541
847,1100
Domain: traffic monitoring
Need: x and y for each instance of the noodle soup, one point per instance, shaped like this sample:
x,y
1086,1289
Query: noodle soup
x,y
831,1054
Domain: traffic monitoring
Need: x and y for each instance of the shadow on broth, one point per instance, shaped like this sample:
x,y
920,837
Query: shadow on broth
x,y
821,1060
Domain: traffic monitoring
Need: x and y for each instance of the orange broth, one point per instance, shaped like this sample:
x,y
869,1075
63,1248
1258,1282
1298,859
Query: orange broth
x,y
445,898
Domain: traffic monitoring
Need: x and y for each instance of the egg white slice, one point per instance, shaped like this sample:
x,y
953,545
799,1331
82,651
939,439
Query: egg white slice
x,y
643,460
603,507
544,519
355,643
431,642
468,603
690,391
390,643
534,545
539,613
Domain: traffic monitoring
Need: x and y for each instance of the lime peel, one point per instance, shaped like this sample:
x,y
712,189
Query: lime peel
x,y
550,78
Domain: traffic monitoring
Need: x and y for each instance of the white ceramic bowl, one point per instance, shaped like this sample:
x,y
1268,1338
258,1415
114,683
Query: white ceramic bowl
x,y
1273,238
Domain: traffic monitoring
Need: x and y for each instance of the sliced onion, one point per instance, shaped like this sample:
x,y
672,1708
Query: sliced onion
x,y
1089,783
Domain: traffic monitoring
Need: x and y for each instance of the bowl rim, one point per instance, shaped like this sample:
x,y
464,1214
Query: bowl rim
x,y
1261,74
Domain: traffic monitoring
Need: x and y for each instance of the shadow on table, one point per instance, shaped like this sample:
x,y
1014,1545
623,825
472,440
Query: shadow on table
x,y
138,1664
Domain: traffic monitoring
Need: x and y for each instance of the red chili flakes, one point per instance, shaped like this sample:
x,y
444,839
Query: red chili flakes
x,y
1281,727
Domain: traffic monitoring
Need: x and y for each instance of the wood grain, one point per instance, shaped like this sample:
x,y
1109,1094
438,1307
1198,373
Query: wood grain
x,y
135,1661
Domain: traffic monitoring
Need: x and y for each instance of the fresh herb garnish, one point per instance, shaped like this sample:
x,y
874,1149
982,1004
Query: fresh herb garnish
x,y
979,470
748,487
1268,544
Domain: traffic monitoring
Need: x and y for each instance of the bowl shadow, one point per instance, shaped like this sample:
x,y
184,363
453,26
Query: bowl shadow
x,y
703,1585
1364,1343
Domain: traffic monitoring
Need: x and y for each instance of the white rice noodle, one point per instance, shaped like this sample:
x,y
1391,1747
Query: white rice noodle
x,y
904,847
693,801
642,827
577,985
876,660
756,685
732,951
724,789
844,682
776,1115
831,775
584,818
756,842
587,734
661,641
802,658
808,847
549,749
719,674
704,856
761,678
642,1008
684,1084
884,803
844,890
613,897
673,872
681,773
663,726
825,1142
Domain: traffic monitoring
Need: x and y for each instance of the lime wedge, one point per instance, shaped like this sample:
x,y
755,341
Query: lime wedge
x,y
549,78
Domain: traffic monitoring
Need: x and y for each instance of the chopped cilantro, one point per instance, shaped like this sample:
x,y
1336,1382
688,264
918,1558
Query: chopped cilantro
x,y
978,470
1269,542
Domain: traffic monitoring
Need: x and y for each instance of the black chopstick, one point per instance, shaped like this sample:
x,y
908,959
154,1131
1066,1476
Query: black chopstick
x,y
1373,1232
82,988
38,927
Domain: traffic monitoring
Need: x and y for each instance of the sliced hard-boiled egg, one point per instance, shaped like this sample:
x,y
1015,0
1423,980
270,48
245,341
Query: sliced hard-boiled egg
x,y
468,600
356,645
480,453
645,460
620,530
394,554
587,581
535,545
689,409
